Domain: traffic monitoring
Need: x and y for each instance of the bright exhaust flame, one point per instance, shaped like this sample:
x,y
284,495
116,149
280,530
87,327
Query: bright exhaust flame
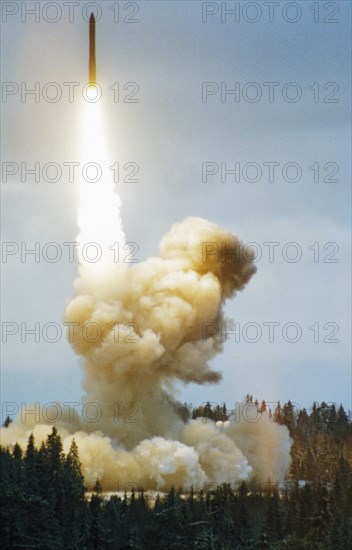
x,y
139,433
99,205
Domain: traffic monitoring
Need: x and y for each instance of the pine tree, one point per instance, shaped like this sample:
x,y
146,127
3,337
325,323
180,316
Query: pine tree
x,y
73,473
115,523
8,523
74,524
53,461
342,425
332,419
17,468
302,428
31,467
278,414
208,411
288,417
96,526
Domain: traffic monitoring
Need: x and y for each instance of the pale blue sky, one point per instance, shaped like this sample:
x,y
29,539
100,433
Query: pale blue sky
x,y
169,133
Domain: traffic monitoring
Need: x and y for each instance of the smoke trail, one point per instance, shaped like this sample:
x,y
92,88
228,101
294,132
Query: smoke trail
x,y
140,329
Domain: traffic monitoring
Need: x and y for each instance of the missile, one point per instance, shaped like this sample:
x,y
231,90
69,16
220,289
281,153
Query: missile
x,y
92,64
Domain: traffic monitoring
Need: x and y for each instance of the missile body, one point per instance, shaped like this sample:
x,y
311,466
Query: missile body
x,y
92,64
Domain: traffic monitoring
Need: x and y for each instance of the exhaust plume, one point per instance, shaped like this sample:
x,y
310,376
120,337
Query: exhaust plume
x,y
151,328
139,333
139,329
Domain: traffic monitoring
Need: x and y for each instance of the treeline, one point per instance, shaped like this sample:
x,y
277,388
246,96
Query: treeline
x,y
44,506
44,502
320,437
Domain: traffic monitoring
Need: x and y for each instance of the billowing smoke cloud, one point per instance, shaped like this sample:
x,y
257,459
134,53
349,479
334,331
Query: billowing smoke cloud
x,y
140,328
150,327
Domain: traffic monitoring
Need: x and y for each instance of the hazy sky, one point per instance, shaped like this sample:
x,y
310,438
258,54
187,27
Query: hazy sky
x,y
263,92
